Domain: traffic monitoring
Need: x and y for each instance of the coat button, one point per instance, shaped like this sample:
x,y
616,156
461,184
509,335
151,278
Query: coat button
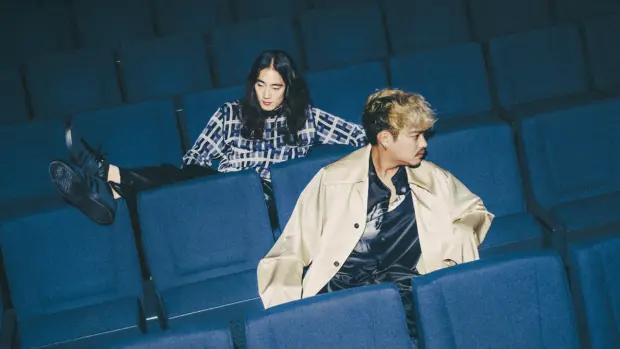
x,y
356,225
336,264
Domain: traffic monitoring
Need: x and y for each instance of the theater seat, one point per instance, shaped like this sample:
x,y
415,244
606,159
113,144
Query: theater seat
x,y
572,169
493,18
452,79
484,158
13,107
135,135
370,317
203,240
179,17
602,35
164,67
343,91
73,283
250,9
415,25
340,36
594,267
107,23
235,47
510,302
63,84
289,178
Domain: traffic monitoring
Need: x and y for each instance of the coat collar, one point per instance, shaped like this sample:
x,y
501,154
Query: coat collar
x,y
353,168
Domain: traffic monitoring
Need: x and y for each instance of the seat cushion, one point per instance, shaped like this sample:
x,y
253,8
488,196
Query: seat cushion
x,y
589,213
512,233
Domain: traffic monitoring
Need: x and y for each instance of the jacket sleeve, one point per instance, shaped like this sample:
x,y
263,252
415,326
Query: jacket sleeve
x,y
470,219
280,272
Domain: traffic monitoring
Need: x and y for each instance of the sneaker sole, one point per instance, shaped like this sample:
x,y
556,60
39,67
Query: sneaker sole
x,y
74,190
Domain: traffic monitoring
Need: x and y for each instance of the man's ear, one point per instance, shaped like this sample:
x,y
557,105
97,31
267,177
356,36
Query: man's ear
x,y
384,138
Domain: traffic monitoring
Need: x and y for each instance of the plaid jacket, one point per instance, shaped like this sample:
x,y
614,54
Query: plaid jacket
x,y
221,140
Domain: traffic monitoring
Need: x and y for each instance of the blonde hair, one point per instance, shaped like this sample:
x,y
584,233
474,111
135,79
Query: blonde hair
x,y
392,110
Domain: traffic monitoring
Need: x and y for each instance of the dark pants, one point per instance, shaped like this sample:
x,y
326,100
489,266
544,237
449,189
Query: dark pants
x,y
136,180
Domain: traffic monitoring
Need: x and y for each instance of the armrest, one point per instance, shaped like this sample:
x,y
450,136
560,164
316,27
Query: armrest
x,y
9,326
547,218
153,310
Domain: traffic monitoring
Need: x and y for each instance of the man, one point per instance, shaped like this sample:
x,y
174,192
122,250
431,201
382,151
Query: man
x,y
381,214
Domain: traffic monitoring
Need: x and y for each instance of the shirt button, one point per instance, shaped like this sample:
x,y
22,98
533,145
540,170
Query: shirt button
x,y
356,225
382,238
336,264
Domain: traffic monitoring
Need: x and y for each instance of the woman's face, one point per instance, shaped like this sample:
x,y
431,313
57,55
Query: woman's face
x,y
269,89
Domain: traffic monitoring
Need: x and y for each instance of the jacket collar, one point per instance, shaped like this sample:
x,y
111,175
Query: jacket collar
x,y
354,169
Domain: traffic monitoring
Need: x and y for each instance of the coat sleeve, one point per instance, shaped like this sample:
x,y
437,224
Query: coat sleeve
x,y
280,272
470,219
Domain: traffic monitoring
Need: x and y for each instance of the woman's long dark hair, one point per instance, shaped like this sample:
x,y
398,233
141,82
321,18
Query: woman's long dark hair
x,y
294,105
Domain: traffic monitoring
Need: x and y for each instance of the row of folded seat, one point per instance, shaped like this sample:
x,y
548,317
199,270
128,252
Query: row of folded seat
x,y
558,186
29,31
522,73
88,293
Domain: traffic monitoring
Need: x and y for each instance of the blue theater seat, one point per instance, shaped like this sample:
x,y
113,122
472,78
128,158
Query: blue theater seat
x,y
251,9
452,79
544,66
235,47
174,17
572,169
604,52
29,33
199,107
512,302
63,84
493,18
291,177
161,68
26,151
370,317
203,240
594,270
343,91
188,337
484,158
415,25
74,283
13,107
572,10
135,135
339,3
341,36
110,22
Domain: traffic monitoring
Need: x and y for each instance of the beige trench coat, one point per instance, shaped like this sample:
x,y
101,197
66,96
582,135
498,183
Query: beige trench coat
x,y
330,216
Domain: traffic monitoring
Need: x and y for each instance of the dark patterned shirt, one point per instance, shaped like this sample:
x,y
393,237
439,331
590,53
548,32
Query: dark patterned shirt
x,y
389,248
221,140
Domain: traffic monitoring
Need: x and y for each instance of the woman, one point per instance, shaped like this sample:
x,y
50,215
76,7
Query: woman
x,y
274,122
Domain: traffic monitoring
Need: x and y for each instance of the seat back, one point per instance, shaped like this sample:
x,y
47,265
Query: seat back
x,y
175,17
203,240
571,154
63,84
13,107
107,23
538,65
341,36
452,79
200,106
290,178
343,91
250,9
135,135
517,301
602,35
594,266
69,277
364,317
493,18
235,47
164,67
415,25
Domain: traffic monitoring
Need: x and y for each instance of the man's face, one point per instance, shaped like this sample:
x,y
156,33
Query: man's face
x,y
409,148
